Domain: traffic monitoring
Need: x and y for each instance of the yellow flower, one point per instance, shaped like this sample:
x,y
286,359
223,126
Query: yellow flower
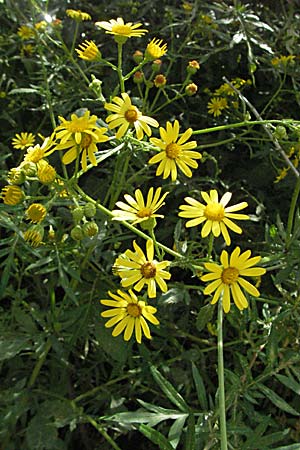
x,y
216,106
191,89
78,15
284,60
160,81
129,314
122,31
227,279
215,214
282,174
136,210
155,49
36,212
175,151
45,172
87,147
126,116
88,51
25,32
27,50
23,140
38,152
137,269
76,128
12,195
42,25
34,235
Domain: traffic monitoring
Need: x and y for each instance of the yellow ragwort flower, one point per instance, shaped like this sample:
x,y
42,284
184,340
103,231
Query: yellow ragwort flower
x,y
129,314
45,172
36,213
87,146
227,278
26,32
216,106
12,195
78,15
122,31
23,140
38,152
126,115
216,215
155,49
88,51
34,235
138,269
175,151
136,210
76,128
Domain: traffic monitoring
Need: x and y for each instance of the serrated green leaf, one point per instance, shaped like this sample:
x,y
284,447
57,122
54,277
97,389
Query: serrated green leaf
x,y
277,400
200,388
169,390
156,437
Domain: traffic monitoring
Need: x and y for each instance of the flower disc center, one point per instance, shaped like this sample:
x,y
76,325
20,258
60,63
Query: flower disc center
x,y
86,141
134,310
172,150
214,211
148,270
230,275
144,212
131,115
123,30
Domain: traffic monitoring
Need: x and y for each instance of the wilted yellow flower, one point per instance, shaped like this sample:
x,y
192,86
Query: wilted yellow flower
x,y
23,140
191,89
216,214
174,152
126,115
12,195
160,81
34,235
227,279
136,210
193,67
88,51
138,269
129,314
122,31
16,175
36,212
155,49
26,32
78,15
45,172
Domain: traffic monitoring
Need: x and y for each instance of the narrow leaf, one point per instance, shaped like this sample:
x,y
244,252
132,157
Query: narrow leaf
x,y
156,437
277,400
169,390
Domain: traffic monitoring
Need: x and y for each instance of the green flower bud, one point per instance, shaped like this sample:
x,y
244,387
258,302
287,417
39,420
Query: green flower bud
x,y
78,213
89,210
90,229
77,233
16,176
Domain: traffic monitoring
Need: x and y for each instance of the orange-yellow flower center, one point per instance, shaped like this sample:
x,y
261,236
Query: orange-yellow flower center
x,y
78,125
172,150
86,141
230,275
123,30
131,115
144,212
214,211
134,310
148,270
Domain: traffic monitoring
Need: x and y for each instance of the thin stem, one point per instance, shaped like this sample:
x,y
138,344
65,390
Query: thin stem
x,y
292,213
222,407
39,363
101,430
75,37
121,79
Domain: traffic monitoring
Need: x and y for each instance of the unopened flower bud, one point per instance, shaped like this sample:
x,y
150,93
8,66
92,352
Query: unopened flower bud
x,y
156,65
16,176
90,229
138,56
78,213
191,89
12,195
138,77
34,235
90,210
192,67
77,233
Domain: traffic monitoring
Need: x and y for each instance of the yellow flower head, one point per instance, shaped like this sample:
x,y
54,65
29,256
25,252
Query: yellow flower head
x,y
36,212
129,314
175,152
87,146
23,140
88,51
38,152
126,115
136,210
26,32
216,106
12,195
78,15
76,128
216,215
34,235
227,278
155,49
45,172
122,31
27,50
138,269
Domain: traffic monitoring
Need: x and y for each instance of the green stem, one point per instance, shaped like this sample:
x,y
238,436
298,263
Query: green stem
x,y
242,124
210,246
292,213
102,432
39,363
222,407
121,79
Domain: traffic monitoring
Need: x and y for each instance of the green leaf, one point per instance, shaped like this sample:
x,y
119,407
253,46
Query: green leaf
x,y
12,344
156,437
24,91
175,431
204,316
289,382
289,447
277,400
190,433
41,434
200,388
169,390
